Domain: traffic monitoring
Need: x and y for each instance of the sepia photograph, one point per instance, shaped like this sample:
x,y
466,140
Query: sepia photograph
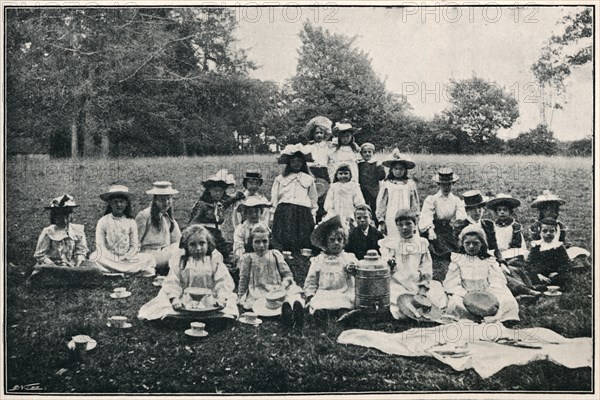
x,y
386,199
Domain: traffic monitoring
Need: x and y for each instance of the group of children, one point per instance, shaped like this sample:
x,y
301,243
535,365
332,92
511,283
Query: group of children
x,y
363,209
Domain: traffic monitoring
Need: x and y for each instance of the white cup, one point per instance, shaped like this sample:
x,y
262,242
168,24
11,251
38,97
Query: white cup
x,y
119,291
306,252
80,341
117,321
553,289
197,327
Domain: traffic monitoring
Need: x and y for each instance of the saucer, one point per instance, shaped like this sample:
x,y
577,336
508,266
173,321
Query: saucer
x,y
126,325
553,294
115,296
256,322
192,333
91,344
157,283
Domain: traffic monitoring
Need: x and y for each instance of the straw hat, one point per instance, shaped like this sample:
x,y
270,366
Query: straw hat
x,y
397,158
545,198
428,312
445,175
318,237
481,304
162,188
65,201
474,199
221,178
253,202
321,121
502,199
344,127
270,305
116,190
293,149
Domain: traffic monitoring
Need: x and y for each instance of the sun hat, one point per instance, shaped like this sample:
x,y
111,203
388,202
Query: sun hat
x,y
116,190
65,201
252,202
547,197
321,121
428,312
344,127
396,157
474,199
318,237
481,304
252,174
270,305
322,186
293,149
162,188
445,175
502,199
221,178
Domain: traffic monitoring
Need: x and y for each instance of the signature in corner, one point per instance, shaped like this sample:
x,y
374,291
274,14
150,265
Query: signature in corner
x,y
28,387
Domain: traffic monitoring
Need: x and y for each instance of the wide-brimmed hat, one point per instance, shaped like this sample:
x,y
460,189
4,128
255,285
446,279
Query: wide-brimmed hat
x,y
270,305
396,157
502,199
293,149
162,188
428,312
221,178
116,190
66,202
344,127
545,198
252,174
481,304
322,186
252,202
445,175
319,235
321,121
473,199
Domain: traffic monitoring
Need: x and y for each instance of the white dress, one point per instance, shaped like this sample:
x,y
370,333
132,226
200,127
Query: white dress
x,y
341,200
343,154
395,196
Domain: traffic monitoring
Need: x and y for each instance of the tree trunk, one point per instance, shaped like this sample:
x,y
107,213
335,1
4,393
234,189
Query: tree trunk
x,y
184,147
88,136
74,146
104,144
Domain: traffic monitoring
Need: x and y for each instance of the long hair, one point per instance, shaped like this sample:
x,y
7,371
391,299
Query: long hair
x,y
155,217
128,212
483,250
259,229
185,238
56,212
288,170
355,147
341,168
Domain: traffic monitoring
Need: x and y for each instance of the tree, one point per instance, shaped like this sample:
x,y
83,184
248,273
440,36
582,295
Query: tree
x,y
581,147
572,48
335,79
539,140
478,110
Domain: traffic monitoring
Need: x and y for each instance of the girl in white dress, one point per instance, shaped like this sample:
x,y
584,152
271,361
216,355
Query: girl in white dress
x,y
343,197
346,150
397,192
117,244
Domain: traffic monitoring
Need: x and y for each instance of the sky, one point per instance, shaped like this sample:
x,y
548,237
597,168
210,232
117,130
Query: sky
x,y
418,50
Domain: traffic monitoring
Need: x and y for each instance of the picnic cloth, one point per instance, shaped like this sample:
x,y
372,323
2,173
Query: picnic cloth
x,y
487,348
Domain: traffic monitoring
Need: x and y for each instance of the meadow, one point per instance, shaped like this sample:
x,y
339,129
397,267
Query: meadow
x,y
235,358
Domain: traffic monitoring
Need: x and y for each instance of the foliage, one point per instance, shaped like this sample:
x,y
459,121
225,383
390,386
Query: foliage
x,y
581,147
539,140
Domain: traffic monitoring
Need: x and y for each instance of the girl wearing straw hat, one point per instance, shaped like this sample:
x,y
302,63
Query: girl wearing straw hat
x,y
318,134
158,231
346,150
117,243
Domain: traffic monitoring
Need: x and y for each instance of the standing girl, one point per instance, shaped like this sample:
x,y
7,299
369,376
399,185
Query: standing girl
x,y
398,192
343,196
264,271
475,270
252,181
196,267
294,198
346,150
158,231
318,134
370,175
117,244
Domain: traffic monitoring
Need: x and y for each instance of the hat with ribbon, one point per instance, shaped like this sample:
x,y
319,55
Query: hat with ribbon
x,y
116,190
318,121
294,149
319,235
397,158
65,201
502,199
445,175
474,199
545,198
162,188
344,127
221,178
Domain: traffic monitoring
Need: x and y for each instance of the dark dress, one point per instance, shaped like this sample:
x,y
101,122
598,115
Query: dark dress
x,y
369,176
358,243
545,262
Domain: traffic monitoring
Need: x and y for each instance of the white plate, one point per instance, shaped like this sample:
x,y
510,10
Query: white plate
x,y
126,325
553,294
91,344
256,322
124,296
191,332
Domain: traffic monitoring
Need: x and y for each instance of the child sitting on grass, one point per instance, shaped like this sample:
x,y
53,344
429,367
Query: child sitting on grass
x,y
411,265
328,284
251,210
364,236
263,271
548,260
195,267
473,269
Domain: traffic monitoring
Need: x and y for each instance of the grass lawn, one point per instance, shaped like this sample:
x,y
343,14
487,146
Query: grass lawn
x,y
236,358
